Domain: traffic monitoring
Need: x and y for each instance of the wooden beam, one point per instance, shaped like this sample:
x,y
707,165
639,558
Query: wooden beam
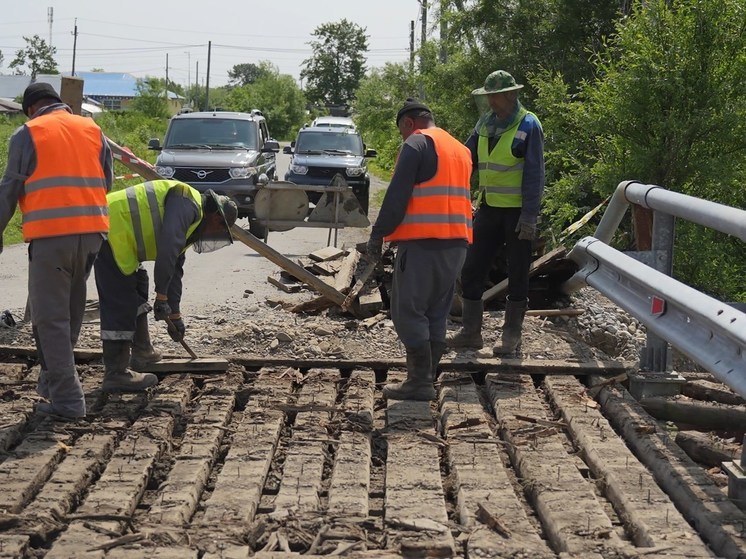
x,y
286,287
288,265
502,287
695,413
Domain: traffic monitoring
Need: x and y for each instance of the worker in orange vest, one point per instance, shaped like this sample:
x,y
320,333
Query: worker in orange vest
x,y
427,213
59,171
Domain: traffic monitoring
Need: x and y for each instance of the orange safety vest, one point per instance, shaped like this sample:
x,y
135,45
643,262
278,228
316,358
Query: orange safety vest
x,y
66,193
440,208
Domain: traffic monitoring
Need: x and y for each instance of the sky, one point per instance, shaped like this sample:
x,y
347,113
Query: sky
x,y
135,36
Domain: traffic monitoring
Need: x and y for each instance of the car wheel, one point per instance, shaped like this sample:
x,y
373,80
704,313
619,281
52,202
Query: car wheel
x,y
258,229
363,197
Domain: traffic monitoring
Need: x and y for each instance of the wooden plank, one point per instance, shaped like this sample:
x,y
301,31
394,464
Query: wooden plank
x,y
176,503
170,365
303,470
500,288
327,253
326,268
711,392
299,272
648,514
286,287
695,494
415,511
704,415
701,448
343,278
131,551
573,519
476,461
350,482
123,482
238,488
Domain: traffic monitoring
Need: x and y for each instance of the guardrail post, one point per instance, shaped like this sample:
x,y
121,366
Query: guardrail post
x,y
736,471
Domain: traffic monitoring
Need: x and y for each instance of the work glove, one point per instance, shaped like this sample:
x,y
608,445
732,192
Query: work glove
x,y
161,309
526,231
374,249
176,329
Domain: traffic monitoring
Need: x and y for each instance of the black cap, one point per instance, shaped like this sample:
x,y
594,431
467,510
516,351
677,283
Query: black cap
x,y
411,105
36,92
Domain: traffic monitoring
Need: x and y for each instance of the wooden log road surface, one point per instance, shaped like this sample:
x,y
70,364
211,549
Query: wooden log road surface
x,y
313,462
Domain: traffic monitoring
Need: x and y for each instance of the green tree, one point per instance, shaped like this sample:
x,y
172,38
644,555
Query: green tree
x,y
37,57
277,96
248,73
337,63
151,97
1,58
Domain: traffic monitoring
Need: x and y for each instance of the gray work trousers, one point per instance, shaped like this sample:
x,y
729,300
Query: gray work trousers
x,y
423,286
58,270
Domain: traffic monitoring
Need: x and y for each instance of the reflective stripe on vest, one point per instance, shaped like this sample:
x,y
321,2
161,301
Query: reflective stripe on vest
x,y
500,172
66,193
440,208
137,218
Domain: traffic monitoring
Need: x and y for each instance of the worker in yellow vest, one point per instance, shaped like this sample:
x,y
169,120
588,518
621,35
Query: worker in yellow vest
x,y
426,213
152,221
507,148
59,171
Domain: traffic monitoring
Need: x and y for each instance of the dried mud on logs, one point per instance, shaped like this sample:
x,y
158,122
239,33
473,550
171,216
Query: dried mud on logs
x,y
649,516
703,415
716,518
487,504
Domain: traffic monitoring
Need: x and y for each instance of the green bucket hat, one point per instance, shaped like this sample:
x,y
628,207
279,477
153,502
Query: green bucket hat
x,y
498,82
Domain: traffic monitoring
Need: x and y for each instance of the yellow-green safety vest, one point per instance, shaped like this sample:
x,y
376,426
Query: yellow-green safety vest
x,y
500,172
136,217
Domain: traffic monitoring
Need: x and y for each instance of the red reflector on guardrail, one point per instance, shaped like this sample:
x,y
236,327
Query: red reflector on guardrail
x,y
657,306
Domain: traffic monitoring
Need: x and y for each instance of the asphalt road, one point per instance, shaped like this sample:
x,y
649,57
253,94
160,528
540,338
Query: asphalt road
x,y
219,278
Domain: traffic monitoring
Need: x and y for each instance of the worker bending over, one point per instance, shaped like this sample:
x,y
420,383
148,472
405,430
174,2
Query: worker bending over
x,y
427,213
153,221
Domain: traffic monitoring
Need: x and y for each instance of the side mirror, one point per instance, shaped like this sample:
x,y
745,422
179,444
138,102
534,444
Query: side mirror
x,y
271,146
154,144
371,153
288,150
292,144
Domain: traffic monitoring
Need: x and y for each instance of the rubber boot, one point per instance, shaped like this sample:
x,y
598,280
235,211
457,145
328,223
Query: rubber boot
x,y
42,386
437,349
470,334
117,377
143,352
65,394
515,311
419,383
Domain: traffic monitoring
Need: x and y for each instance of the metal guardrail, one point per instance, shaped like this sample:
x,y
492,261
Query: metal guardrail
x,y
710,332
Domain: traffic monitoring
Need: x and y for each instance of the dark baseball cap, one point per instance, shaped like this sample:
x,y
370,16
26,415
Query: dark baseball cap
x,y
36,92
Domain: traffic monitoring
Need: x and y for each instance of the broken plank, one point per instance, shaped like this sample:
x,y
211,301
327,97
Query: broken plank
x,y
285,263
286,287
327,253
343,278
502,287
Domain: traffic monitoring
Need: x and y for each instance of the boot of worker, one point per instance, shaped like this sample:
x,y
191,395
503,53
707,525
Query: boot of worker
x,y
437,349
117,377
470,335
419,382
65,394
515,311
143,352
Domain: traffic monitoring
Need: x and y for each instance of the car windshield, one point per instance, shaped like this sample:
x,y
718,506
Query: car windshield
x,y
330,142
221,133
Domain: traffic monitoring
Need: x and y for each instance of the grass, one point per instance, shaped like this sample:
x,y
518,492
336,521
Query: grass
x,y
382,174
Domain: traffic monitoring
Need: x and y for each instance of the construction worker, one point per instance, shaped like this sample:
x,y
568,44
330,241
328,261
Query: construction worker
x,y
427,213
507,148
59,171
152,221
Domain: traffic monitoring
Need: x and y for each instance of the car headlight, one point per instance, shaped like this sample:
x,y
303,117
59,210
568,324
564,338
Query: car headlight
x,y
298,169
355,171
165,172
242,172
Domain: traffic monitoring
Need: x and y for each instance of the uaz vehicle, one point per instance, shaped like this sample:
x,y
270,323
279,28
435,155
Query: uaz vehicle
x,y
222,151
321,153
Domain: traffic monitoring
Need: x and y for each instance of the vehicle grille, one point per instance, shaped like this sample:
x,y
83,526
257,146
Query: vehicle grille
x,y
325,172
191,175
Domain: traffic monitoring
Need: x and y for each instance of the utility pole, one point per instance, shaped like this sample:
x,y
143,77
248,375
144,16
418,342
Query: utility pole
x,y
207,82
423,32
411,46
50,19
166,76
189,69
75,44
443,32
